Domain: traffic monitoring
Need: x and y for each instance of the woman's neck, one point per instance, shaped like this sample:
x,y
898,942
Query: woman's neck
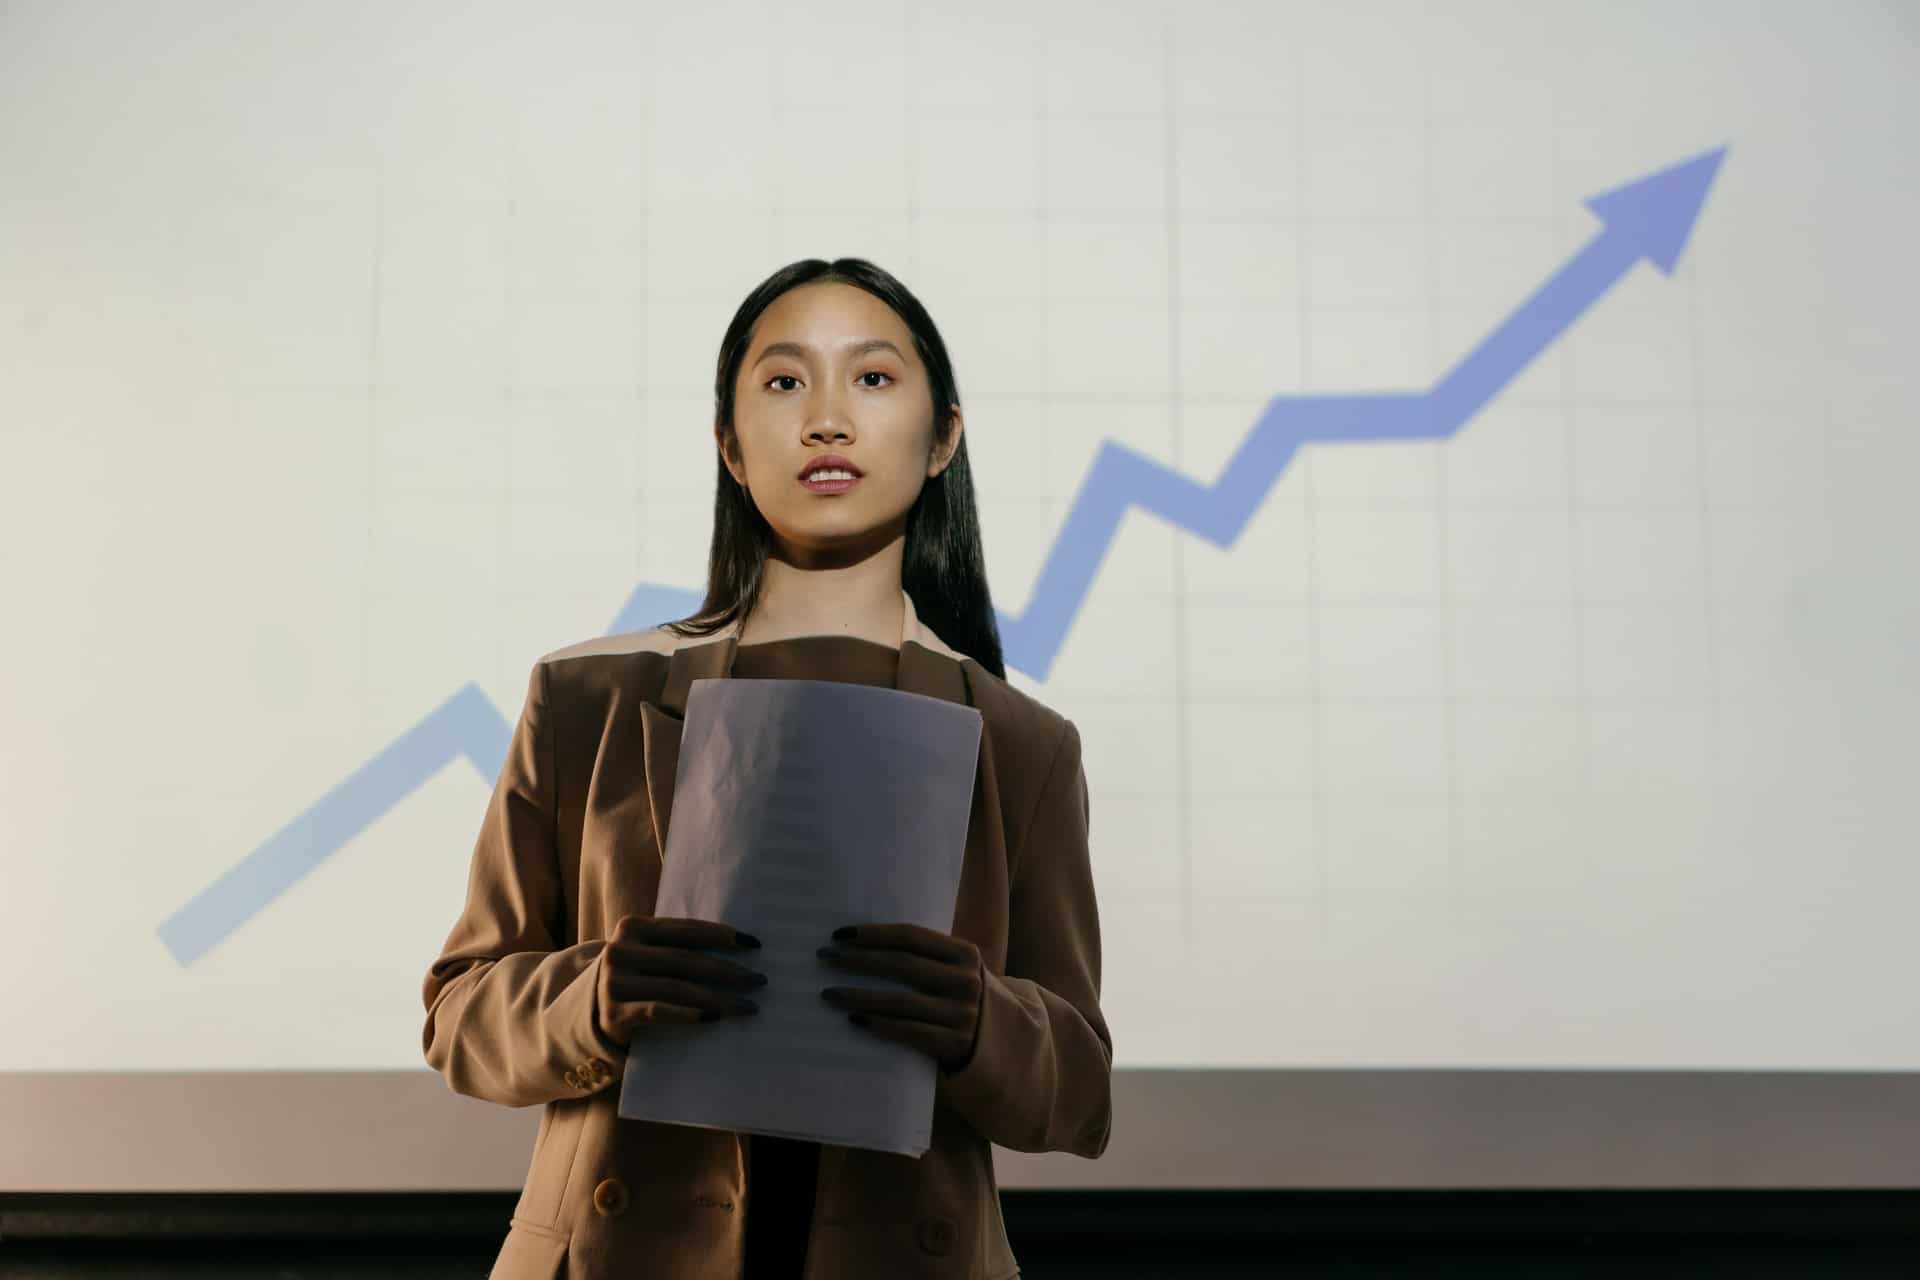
x,y
852,602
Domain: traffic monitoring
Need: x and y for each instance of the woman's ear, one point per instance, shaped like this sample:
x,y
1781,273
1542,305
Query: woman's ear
x,y
944,450
727,460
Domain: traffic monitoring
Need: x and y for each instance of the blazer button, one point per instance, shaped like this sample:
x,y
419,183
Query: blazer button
x,y
936,1235
610,1198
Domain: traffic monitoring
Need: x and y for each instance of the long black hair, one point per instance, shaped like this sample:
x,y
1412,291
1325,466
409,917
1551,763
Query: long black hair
x,y
942,566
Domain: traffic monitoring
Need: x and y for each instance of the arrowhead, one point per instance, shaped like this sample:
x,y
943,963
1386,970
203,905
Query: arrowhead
x,y
1656,213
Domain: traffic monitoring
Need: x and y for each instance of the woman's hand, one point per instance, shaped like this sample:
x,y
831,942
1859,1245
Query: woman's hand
x,y
653,970
941,1017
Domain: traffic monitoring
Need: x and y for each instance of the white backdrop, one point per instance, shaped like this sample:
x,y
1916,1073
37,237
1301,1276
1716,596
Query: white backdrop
x,y
354,356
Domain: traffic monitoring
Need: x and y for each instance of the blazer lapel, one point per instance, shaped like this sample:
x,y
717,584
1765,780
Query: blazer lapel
x,y
661,725
927,666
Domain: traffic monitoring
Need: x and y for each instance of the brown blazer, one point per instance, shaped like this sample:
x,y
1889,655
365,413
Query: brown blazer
x,y
571,842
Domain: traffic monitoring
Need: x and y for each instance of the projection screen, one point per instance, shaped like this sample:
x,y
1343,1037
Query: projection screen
x,y
1452,461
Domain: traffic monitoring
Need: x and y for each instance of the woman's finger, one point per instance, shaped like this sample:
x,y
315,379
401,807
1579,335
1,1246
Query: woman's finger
x,y
915,938
906,1005
935,977
696,995
632,1013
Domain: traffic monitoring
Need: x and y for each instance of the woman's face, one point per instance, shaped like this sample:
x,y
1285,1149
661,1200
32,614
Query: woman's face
x,y
830,368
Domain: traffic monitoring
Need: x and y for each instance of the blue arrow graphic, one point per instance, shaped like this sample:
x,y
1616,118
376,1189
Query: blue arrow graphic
x,y
1651,218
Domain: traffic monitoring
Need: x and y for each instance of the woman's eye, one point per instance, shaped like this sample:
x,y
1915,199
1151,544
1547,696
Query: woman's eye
x,y
787,377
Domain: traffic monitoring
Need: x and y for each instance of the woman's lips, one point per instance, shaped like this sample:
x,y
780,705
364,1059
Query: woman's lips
x,y
830,486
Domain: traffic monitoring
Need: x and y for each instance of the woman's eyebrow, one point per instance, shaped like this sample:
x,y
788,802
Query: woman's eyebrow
x,y
853,349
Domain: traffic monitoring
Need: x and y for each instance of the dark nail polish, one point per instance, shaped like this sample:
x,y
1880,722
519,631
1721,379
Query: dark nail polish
x,y
759,979
841,935
828,953
709,1015
746,939
743,1005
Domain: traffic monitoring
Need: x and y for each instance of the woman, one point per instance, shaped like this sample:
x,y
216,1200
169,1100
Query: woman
x,y
555,970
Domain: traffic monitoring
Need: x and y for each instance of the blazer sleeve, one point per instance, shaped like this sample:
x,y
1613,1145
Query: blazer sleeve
x,y
510,1001
1041,1071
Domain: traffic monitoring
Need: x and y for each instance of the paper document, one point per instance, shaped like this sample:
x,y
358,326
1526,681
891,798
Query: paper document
x,y
800,806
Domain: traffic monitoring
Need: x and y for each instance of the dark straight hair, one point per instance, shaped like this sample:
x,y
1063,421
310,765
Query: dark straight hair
x,y
942,566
